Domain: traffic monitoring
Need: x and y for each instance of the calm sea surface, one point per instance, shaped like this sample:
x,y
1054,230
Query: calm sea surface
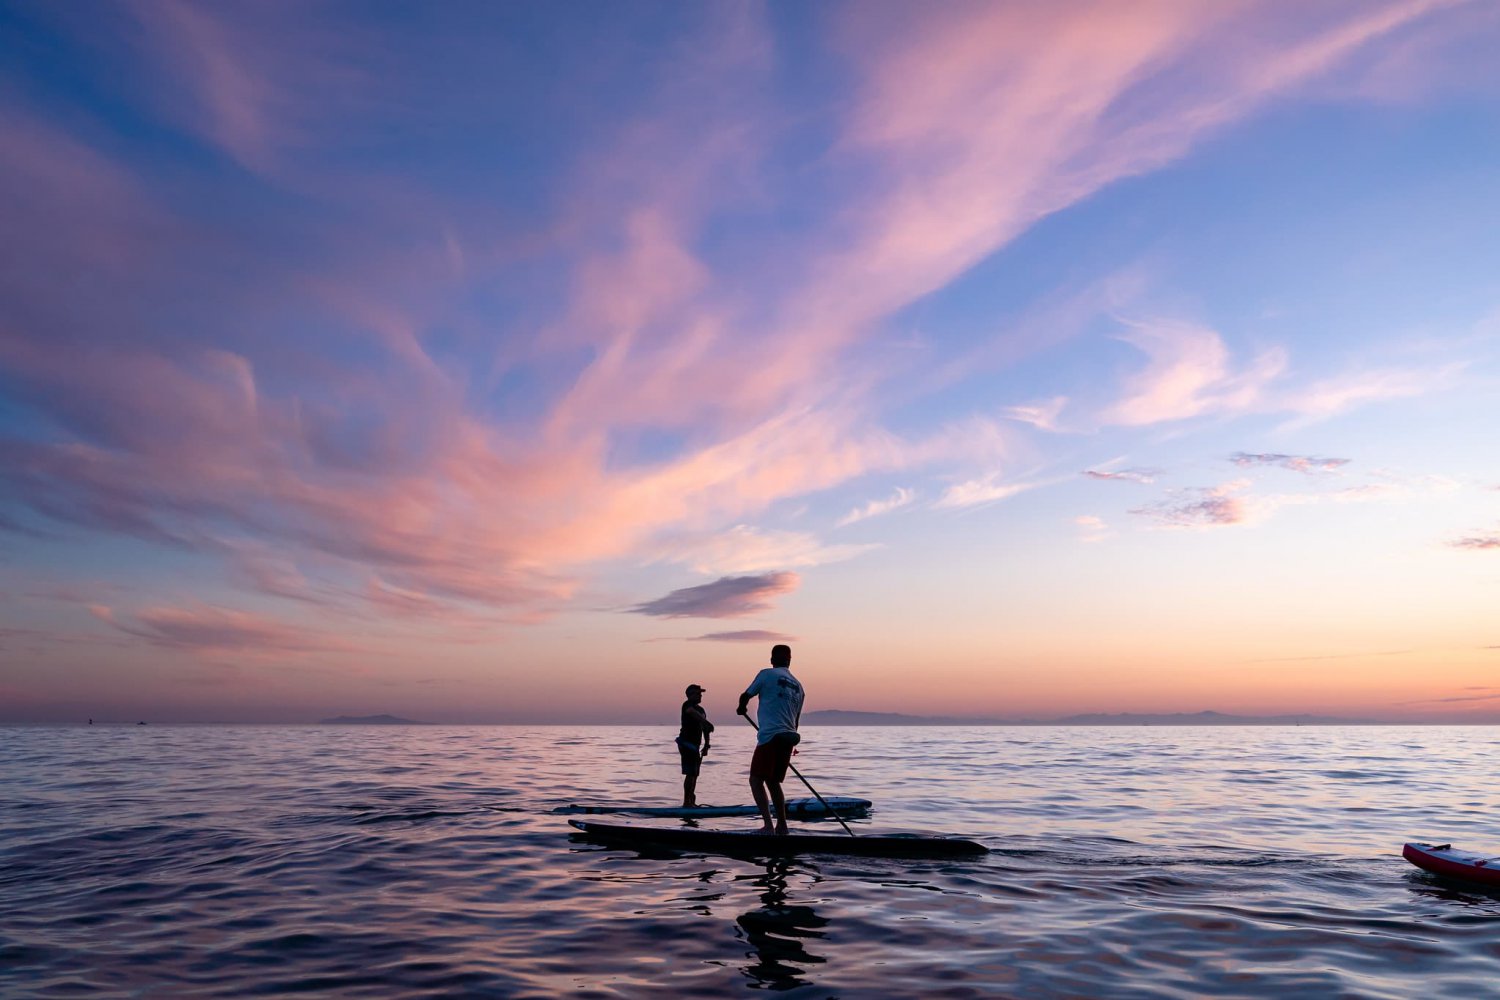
x,y
197,861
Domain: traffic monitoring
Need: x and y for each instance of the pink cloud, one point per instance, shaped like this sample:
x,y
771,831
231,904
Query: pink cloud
x,y
1478,542
261,82
875,508
729,597
1043,416
986,117
1200,508
1339,394
185,442
38,641
744,635
1189,375
1143,476
1447,54
209,629
220,67
366,452
966,132
976,492
1297,463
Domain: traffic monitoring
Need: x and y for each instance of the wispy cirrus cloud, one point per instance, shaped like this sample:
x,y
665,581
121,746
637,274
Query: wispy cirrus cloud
x,y
1190,374
314,409
1297,463
1216,506
36,641
203,628
901,498
1230,503
1491,695
729,597
1043,415
1480,542
744,635
1336,395
981,131
976,492
1142,476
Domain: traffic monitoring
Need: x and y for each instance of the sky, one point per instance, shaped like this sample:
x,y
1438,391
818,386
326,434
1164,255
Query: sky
x,y
479,362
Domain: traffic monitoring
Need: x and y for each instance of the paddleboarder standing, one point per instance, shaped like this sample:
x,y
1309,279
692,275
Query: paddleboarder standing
x,y
695,726
778,713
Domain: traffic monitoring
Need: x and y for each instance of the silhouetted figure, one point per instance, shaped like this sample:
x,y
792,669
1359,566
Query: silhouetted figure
x,y
695,727
779,712
91,722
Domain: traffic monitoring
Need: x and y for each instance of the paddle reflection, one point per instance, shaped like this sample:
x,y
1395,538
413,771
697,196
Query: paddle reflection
x,y
778,930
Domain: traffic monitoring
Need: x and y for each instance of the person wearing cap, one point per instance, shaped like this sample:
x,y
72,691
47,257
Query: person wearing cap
x,y
778,714
695,727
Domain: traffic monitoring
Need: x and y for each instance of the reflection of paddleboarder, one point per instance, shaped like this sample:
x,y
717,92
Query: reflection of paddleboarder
x,y
778,713
780,932
695,726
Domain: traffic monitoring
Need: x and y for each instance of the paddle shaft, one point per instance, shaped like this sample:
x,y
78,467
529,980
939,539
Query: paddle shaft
x,y
831,811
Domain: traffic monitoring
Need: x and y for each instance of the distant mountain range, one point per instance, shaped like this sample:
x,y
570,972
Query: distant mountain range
x,y
838,717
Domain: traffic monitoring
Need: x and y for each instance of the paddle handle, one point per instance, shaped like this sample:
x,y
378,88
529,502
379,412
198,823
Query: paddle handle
x,y
831,811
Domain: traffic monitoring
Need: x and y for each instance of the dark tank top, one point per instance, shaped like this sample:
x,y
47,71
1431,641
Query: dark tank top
x,y
692,726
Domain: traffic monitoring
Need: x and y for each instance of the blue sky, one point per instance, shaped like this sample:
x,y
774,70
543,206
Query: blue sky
x,y
487,363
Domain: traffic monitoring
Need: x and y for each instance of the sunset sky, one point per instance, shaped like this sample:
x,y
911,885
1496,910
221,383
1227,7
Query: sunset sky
x,y
483,362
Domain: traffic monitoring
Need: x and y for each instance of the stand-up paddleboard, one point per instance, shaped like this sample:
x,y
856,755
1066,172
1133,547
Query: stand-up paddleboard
x,y
1442,859
756,844
843,805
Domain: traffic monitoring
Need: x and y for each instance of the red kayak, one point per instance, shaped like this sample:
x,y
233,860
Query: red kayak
x,y
1442,859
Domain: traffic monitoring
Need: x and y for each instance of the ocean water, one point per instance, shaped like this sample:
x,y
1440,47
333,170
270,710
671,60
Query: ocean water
x,y
203,861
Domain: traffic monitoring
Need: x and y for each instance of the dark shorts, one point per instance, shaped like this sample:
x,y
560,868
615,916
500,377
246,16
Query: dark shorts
x,y
772,758
692,760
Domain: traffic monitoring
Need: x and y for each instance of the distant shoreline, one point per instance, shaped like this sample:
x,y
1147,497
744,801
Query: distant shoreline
x,y
839,717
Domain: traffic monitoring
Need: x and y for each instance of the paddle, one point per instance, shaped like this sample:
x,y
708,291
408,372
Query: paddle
x,y
831,811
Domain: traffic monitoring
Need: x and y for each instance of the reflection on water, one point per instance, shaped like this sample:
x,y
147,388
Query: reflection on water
x,y
778,930
349,862
1451,890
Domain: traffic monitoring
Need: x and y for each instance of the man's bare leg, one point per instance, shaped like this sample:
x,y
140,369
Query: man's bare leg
x,y
758,789
778,797
690,792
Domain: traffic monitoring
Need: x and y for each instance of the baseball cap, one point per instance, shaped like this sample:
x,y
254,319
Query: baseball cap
x,y
695,687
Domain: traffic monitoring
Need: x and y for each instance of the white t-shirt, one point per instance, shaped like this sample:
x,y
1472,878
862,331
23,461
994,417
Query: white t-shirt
x,y
780,706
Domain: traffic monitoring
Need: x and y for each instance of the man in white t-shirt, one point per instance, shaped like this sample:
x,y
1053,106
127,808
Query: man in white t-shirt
x,y
779,711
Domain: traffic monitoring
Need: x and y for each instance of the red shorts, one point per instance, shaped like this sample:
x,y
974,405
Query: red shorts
x,y
772,758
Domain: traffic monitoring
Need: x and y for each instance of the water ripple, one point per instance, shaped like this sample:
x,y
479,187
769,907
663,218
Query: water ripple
x,y
352,862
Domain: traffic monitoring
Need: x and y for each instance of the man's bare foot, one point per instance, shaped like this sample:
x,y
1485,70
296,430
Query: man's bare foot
x,y
780,830
767,830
